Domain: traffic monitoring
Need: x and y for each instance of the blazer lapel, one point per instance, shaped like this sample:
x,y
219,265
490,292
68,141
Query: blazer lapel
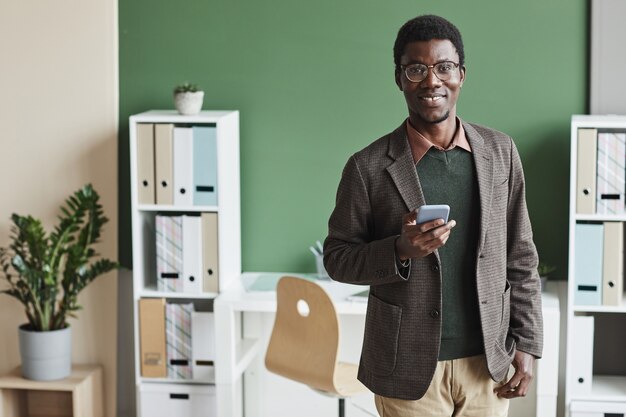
x,y
402,170
484,172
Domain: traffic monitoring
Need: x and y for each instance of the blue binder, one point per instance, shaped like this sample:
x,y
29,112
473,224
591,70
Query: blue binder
x,y
205,166
588,264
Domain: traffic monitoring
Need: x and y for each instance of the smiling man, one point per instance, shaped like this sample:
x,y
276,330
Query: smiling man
x,y
452,305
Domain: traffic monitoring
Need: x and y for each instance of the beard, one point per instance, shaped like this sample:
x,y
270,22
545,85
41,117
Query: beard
x,y
438,120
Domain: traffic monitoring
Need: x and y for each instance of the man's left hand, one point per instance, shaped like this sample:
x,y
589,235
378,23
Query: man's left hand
x,y
519,383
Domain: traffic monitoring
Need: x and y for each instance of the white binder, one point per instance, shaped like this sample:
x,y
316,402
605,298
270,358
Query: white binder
x,y
203,345
183,166
582,356
192,254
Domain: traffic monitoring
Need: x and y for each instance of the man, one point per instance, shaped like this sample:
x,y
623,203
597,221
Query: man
x,y
452,305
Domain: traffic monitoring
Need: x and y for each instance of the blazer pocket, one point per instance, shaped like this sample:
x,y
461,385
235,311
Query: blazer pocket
x,y
380,342
505,315
501,190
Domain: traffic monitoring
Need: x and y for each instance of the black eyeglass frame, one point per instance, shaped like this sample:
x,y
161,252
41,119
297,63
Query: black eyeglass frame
x,y
428,67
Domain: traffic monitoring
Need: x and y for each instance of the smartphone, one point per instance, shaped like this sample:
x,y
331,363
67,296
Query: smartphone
x,y
432,212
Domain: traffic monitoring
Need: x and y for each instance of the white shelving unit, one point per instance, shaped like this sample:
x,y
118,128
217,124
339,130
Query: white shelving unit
x,y
164,395
607,390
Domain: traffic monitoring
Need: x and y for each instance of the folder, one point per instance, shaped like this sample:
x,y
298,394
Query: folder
x,y
580,377
610,173
210,263
169,253
613,268
203,345
588,264
163,163
586,171
152,337
192,254
183,167
178,340
205,166
145,163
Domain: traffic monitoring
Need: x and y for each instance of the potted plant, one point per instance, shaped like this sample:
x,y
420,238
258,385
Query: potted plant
x,y
544,270
46,272
188,98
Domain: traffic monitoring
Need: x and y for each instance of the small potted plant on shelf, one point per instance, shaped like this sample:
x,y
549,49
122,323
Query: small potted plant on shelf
x,y
544,270
46,272
188,98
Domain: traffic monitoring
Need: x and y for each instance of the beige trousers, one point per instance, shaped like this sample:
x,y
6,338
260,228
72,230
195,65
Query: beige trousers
x,y
460,388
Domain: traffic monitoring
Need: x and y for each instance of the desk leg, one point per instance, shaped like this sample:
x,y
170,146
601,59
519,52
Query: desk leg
x,y
253,389
227,383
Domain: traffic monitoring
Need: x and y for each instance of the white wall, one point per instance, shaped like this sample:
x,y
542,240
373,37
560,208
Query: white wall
x,y
58,131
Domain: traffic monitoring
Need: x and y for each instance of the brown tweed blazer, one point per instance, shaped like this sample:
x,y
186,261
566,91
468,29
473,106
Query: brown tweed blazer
x,y
379,185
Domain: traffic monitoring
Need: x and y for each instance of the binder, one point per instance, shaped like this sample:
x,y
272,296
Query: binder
x,y
145,163
582,356
210,262
588,264
192,254
586,171
178,340
183,166
613,268
205,166
203,345
169,253
163,163
610,173
152,337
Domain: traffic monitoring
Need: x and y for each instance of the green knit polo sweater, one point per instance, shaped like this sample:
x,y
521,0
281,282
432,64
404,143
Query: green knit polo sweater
x,y
450,178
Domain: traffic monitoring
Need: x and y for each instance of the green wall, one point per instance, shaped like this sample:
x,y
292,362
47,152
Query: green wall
x,y
314,83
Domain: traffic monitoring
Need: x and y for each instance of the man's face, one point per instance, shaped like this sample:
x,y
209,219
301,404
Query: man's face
x,y
431,100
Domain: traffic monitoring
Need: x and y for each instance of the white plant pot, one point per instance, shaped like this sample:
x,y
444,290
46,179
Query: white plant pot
x,y
46,356
189,103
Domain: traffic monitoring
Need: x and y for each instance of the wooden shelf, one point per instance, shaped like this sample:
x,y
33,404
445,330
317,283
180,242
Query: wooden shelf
x,y
79,394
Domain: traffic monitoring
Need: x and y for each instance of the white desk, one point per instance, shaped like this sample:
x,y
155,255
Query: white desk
x,y
244,320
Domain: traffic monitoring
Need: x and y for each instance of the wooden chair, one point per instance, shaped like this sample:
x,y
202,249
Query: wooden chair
x,y
305,341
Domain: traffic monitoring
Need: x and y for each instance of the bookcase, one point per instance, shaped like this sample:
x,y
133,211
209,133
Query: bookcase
x,y
186,237
596,318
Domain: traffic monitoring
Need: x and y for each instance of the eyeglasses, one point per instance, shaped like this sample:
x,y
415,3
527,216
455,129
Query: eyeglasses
x,y
418,72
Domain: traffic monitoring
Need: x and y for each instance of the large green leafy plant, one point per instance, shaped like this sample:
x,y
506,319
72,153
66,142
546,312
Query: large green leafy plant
x,y
45,272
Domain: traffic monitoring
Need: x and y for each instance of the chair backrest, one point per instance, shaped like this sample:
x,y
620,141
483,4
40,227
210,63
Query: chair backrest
x,y
304,347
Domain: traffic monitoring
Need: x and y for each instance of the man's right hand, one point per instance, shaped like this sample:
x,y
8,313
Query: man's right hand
x,y
420,240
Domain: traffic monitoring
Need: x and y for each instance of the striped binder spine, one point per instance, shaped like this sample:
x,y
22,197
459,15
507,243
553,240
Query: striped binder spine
x,y
169,253
610,175
178,340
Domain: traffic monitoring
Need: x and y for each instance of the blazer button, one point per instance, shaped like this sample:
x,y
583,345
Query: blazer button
x,y
435,268
434,313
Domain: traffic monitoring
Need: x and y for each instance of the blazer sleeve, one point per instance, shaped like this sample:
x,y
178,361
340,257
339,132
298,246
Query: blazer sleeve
x,y
351,254
526,323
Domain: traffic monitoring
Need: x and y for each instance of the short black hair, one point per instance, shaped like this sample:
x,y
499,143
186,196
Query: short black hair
x,y
425,28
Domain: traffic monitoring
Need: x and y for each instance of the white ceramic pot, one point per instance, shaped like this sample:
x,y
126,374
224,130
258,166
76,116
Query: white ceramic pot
x,y
46,356
189,103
